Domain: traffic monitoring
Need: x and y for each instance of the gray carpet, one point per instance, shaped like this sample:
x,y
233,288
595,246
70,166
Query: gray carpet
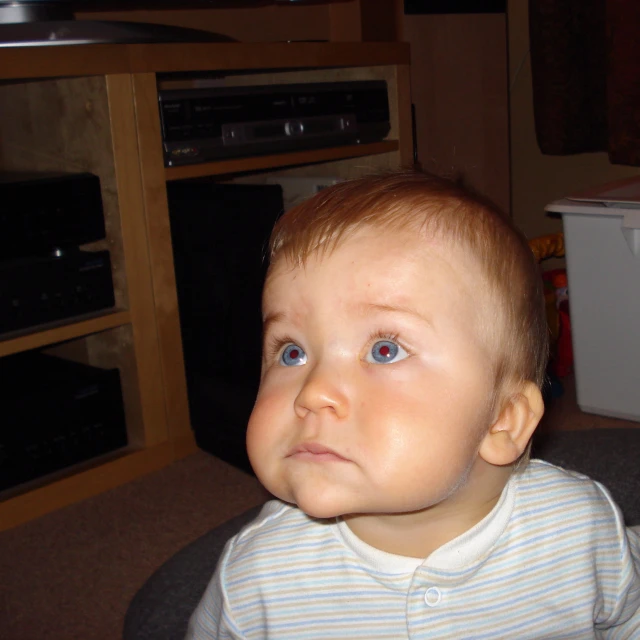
x,y
610,456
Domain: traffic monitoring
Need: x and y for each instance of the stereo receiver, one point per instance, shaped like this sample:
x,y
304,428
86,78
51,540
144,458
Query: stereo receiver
x,y
56,413
212,123
42,211
54,287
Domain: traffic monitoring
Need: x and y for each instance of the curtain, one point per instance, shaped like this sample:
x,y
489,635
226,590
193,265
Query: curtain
x,y
585,60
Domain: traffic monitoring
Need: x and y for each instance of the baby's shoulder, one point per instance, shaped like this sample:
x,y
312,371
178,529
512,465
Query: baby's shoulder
x,y
556,497
540,474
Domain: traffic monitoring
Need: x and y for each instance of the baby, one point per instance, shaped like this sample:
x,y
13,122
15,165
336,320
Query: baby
x,y
405,346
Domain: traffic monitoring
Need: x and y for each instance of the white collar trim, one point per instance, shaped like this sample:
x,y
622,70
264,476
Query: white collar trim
x,y
454,555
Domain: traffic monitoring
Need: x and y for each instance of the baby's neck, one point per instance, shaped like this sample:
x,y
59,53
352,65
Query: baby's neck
x,y
420,533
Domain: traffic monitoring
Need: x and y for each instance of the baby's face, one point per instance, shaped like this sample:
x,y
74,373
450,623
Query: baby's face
x,y
376,384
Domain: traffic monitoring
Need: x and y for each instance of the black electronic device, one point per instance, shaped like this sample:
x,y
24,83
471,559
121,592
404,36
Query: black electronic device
x,y
40,212
220,234
76,32
53,287
205,124
56,413
412,7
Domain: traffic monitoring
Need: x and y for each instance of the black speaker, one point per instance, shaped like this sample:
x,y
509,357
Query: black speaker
x,y
220,234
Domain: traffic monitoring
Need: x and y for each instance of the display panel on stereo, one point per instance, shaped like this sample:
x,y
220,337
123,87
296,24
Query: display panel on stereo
x,y
212,123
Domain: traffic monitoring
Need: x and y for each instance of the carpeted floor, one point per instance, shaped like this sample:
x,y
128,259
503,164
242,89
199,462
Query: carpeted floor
x,y
70,575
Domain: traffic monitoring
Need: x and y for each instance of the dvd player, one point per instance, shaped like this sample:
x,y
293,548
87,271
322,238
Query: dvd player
x,y
213,123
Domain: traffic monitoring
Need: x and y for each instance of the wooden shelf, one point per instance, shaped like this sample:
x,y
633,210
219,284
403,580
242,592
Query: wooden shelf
x,y
296,158
101,59
45,337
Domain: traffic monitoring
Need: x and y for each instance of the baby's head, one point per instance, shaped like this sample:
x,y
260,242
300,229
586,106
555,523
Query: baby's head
x,y
410,310
444,211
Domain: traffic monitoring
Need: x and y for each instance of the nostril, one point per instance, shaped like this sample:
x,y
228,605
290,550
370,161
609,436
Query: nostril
x,y
300,411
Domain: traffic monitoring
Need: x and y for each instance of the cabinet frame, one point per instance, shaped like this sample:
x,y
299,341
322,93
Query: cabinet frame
x,y
156,382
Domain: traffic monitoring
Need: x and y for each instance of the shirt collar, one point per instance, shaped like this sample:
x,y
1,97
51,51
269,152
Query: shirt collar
x,y
460,552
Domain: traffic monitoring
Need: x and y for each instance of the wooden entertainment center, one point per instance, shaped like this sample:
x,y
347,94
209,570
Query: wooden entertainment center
x,y
95,108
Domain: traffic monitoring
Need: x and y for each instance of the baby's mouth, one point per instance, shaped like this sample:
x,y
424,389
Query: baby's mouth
x,y
314,452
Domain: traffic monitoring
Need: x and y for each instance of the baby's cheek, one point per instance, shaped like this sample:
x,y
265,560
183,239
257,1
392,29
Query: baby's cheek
x,y
269,403
258,445
265,421
265,441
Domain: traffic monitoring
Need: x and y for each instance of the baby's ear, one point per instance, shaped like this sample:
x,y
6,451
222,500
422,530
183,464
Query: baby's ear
x,y
509,435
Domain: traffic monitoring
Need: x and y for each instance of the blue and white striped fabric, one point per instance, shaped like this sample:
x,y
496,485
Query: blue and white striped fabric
x,y
552,560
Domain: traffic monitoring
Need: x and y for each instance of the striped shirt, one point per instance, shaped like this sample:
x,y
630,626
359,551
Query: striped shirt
x,y
552,560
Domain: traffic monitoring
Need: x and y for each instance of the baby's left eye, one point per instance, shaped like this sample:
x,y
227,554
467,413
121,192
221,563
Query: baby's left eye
x,y
386,351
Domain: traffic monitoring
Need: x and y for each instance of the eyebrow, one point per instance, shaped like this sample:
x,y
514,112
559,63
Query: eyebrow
x,y
372,307
364,308
272,318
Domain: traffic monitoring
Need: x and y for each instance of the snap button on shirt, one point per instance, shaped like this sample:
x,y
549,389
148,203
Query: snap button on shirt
x,y
432,597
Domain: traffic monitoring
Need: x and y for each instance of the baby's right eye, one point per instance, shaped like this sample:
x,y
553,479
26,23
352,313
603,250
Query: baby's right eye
x,y
293,356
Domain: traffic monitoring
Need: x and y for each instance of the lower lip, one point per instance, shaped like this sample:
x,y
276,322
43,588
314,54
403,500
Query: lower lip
x,y
317,457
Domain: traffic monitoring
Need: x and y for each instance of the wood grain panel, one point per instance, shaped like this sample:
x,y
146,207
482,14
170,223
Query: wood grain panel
x,y
365,20
403,110
345,21
274,55
143,372
257,163
50,62
460,91
158,230
42,337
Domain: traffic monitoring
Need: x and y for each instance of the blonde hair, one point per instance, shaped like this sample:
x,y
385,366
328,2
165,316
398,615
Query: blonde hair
x,y
447,210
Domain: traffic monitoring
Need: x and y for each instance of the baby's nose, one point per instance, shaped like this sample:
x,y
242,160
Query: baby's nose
x,y
322,392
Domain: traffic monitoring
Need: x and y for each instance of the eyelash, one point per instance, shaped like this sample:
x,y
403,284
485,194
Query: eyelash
x,y
376,336
274,345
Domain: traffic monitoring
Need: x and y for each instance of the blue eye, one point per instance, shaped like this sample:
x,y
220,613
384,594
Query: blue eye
x,y
386,351
293,356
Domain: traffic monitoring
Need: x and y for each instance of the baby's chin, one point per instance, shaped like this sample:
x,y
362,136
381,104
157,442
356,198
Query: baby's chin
x,y
320,513
322,509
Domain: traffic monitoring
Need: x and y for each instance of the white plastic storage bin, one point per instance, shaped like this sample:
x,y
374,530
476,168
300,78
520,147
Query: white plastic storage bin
x,y
602,244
